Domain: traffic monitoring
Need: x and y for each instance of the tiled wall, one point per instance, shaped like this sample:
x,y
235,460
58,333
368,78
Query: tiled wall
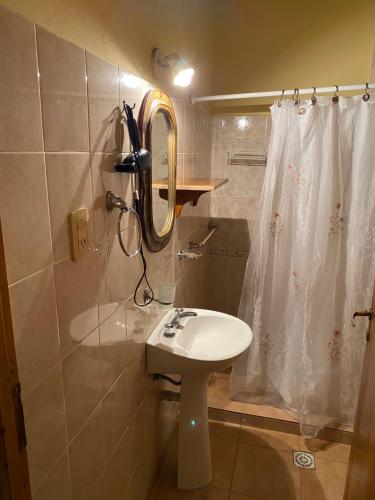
x,y
96,423
233,206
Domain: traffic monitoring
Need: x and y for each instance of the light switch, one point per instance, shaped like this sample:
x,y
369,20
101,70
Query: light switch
x,y
80,234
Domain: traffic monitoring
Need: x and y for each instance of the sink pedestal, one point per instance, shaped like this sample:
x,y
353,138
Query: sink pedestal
x,y
194,454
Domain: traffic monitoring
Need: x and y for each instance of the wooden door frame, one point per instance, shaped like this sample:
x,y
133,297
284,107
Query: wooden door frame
x,y
356,475
15,454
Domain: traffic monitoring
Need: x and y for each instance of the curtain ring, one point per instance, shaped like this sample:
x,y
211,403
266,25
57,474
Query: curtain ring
x,y
280,99
335,98
366,96
296,96
313,97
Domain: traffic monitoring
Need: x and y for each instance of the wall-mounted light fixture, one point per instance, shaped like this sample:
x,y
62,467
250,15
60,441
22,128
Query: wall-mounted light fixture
x,y
171,67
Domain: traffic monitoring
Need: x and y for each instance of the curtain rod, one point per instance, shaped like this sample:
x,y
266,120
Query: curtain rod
x,y
277,93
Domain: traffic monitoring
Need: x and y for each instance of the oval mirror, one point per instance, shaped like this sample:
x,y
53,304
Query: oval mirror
x,y
158,128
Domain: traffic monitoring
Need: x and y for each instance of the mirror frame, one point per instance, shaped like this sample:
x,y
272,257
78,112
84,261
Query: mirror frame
x,y
156,100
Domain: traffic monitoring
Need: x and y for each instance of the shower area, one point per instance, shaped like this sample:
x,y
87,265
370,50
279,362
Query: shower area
x,y
275,257
239,153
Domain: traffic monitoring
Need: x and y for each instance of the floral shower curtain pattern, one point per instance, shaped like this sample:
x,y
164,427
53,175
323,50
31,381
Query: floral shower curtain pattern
x,y
311,265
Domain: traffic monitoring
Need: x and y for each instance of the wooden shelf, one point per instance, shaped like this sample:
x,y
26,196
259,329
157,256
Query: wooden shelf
x,y
188,190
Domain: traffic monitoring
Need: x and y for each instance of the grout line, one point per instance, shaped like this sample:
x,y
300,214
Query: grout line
x,y
234,464
16,282
48,374
50,469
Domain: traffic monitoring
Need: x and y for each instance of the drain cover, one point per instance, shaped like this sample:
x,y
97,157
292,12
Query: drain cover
x,y
303,459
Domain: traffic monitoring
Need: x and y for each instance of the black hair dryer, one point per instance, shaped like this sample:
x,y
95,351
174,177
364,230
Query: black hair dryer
x,y
139,159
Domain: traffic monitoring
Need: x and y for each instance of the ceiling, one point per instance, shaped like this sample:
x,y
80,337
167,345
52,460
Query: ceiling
x,y
234,45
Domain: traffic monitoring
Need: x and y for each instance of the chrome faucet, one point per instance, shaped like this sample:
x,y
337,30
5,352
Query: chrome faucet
x,y
175,321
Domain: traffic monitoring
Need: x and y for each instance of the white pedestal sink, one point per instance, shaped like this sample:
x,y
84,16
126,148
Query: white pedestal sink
x,y
206,343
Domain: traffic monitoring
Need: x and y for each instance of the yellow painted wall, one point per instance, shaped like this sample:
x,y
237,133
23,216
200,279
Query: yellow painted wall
x,y
235,45
285,44
125,31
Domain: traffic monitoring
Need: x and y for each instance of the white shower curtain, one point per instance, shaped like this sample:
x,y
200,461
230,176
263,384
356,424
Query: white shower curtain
x,y
311,264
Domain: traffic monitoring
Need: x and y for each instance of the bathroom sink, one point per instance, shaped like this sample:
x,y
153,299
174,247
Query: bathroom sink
x,y
209,341
200,344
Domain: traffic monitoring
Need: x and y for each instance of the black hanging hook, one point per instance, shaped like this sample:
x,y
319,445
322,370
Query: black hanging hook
x,y
366,96
313,97
280,99
296,96
335,98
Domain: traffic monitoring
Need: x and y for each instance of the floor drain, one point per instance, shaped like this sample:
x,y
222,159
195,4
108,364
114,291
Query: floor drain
x,y
303,459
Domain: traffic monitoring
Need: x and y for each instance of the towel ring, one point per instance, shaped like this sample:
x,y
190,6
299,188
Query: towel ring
x,y
366,96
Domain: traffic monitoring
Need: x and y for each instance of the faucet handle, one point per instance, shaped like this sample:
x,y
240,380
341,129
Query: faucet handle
x,y
169,330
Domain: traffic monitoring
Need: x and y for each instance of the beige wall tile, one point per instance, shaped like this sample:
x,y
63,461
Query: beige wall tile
x,y
57,484
133,267
234,300
132,91
235,207
178,106
82,382
45,426
119,469
188,128
111,278
69,188
86,456
27,239
137,379
93,358
115,413
77,304
138,432
35,327
198,136
135,329
105,178
217,298
103,97
20,117
217,271
63,90
140,480
188,166
231,234
113,347
237,268
180,167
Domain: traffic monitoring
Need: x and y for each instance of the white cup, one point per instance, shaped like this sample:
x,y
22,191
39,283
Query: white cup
x,y
167,295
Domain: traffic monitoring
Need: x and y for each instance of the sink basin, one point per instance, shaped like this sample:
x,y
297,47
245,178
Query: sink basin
x,y
209,341
204,343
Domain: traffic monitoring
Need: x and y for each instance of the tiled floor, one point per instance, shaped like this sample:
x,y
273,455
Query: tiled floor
x,y
257,464
219,397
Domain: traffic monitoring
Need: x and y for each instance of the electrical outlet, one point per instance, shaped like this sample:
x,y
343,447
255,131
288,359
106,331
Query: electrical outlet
x,y
80,233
